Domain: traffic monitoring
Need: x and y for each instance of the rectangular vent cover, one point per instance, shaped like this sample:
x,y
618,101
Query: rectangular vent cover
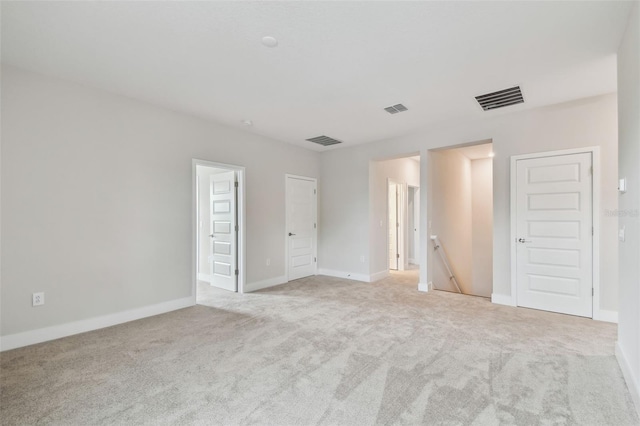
x,y
324,140
501,98
395,109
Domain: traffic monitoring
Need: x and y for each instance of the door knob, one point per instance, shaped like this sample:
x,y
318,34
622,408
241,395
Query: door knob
x,y
212,236
290,234
522,240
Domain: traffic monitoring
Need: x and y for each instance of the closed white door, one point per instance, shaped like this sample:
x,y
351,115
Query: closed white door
x,y
554,236
301,227
223,231
393,226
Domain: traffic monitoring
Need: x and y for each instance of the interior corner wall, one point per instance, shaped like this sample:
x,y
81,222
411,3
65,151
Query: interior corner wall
x,y
345,236
402,170
628,347
97,200
450,215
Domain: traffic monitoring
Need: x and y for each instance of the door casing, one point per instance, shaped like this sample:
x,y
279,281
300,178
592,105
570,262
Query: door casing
x,y
595,155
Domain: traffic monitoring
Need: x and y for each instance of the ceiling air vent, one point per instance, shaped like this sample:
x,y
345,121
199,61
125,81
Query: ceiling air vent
x,y
324,140
395,109
501,98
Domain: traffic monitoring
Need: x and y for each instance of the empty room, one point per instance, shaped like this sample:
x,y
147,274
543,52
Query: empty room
x,y
332,213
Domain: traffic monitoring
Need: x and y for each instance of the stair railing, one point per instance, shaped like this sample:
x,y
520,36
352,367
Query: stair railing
x,y
438,247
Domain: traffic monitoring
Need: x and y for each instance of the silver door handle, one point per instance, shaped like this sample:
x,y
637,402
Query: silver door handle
x,y
522,240
290,234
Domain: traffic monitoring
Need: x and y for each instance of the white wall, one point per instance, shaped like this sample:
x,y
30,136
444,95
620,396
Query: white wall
x,y
344,235
450,215
482,226
97,200
628,349
404,170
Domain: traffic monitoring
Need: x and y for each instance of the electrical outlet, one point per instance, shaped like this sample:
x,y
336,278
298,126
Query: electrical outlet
x,y
38,299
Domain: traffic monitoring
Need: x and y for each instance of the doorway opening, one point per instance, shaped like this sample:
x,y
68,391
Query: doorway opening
x,y
218,231
396,209
460,219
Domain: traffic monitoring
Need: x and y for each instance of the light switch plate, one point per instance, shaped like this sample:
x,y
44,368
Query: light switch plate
x,y
622,185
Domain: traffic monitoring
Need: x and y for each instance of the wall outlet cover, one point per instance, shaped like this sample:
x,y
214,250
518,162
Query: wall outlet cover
x,y
37,299
622,185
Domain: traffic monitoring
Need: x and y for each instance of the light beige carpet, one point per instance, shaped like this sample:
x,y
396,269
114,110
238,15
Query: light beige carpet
x,y
326,351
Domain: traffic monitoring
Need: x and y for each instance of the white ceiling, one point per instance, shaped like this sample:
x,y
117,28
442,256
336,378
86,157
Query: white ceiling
x,y
337,65
476,152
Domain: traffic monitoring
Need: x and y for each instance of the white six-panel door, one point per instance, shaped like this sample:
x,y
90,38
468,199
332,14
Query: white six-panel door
x,y
301,226
554,236
223,258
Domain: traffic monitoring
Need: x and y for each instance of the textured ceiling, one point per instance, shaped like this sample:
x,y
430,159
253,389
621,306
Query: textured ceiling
x,y
337,65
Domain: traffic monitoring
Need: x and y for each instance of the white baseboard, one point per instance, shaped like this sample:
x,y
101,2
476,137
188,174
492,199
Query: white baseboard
x,y
342,274
426,287
204,277
259,285
502,299
606,316
40,335
633,383
378,275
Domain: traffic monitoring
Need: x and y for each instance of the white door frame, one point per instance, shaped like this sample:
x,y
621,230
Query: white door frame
x,y
194,217
286,225
595,188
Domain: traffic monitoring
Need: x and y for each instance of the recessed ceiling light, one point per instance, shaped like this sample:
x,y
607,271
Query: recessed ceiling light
x,y
269,41
247,123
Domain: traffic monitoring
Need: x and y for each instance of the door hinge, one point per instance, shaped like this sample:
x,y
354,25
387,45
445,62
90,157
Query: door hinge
x,y
237,272
314,226
593,291
314,192
314,259
592,230
237,228
398,256
236,184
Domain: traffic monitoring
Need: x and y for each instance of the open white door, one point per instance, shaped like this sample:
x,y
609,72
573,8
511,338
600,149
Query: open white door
x,y
393,225
223,221
300,226
416,226
554,233
413,224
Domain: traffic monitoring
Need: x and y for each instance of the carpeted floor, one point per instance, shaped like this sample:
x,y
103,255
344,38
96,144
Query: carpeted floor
x,y
326,351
